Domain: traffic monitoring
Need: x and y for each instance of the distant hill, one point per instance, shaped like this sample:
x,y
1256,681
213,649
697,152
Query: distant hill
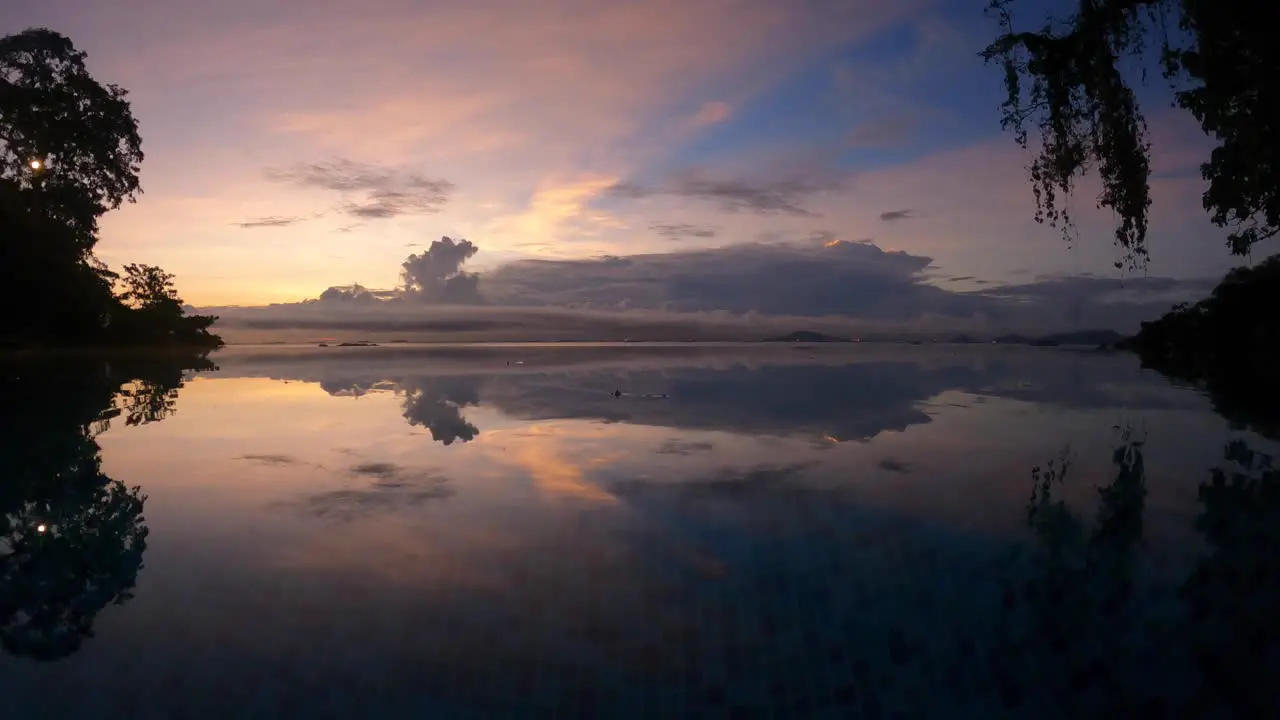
x,y
808,336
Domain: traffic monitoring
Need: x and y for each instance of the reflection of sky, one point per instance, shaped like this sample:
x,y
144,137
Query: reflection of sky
x,y
289,521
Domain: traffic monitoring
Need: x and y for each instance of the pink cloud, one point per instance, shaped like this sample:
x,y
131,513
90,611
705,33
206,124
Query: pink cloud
x,y
711,113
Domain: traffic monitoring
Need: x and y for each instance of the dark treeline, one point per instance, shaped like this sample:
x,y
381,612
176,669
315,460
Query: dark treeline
x,y
69,153
1069,84
1228,344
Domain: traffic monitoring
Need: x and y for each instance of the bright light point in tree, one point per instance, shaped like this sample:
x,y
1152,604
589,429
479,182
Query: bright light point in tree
x,y
35,164
41,527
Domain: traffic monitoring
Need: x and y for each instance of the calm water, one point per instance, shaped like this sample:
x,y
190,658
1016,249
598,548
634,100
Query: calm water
x,y
865,531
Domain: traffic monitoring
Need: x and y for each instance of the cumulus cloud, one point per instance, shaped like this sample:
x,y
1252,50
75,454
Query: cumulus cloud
x,y
896,215
762,196
369,192
681,231
355,293
436,275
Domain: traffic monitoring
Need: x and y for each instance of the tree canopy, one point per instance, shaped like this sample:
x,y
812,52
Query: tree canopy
x,y
1067,81
69,153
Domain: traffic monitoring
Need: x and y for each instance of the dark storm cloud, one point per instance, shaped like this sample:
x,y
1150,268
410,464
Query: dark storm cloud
x,y
272,221
771,196
380,192
680,231
896,215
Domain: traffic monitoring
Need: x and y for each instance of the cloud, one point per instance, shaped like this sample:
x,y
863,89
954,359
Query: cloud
x,y
273,221
771,196
435,275
896,215
743,292
383,192
681,231
711,113
810,277
270,459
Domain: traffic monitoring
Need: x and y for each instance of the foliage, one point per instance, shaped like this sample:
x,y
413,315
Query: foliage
x,y
70,152
1227,343
1068,81
71,538
80,131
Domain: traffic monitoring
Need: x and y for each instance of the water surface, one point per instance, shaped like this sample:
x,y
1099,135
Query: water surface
x,y
715,531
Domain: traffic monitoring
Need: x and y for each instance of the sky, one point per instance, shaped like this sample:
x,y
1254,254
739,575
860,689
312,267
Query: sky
x,y
296,145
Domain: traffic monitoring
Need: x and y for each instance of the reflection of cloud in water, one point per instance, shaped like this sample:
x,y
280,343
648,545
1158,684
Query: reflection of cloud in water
x,y
394,488
436,404
895,466
541,452
681,447
734,484
847,397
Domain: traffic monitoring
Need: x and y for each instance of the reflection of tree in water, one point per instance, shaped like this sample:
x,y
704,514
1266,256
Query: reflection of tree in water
x,y
1233,596
1075,629
71,538
436,403
1075,602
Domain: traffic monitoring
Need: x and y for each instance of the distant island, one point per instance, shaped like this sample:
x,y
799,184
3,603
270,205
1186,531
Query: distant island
x,y
808,336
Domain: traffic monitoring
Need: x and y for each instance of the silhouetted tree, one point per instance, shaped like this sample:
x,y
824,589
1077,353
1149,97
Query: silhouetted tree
x,y
1232,596
1228,344
69,152
1068,80
154,311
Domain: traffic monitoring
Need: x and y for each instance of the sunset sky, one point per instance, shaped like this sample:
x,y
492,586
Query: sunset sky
x,y
293,145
